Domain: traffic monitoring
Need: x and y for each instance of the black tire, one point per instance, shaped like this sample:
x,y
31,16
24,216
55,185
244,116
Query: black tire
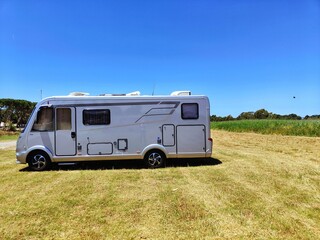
x,y
155,159
39,161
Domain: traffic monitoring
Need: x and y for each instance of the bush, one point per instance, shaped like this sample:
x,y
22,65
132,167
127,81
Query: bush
x,y
10,126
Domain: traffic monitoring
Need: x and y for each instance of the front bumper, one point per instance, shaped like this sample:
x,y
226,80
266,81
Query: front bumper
x,y
21,157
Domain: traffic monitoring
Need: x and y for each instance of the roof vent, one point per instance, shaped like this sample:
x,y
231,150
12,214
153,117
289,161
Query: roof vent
x,y
112,94
136,93
181,93
78,94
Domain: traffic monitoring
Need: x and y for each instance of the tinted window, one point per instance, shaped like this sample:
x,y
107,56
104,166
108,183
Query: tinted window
x,y
63,119
96,117
189,111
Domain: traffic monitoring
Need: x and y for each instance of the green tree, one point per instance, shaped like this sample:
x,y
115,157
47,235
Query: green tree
x,y
293,116
15,111
23,110
261,114
246,115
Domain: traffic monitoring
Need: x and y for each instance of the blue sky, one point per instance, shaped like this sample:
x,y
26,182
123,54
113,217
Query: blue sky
x,y
244,54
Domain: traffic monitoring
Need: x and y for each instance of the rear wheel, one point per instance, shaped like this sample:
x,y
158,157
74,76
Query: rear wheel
x,y
39,161
155,159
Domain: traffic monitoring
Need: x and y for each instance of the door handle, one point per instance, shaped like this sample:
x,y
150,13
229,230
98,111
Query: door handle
x,y
73,134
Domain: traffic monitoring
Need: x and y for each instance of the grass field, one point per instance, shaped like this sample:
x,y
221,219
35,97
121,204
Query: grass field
x,y
255,187
281,127
5,135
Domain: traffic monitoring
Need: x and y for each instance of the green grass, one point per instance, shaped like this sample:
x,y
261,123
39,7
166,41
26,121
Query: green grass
x,y
266,187
4,135
309,128
9,137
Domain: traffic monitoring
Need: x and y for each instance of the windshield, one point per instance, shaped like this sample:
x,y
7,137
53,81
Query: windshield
x,y
44,120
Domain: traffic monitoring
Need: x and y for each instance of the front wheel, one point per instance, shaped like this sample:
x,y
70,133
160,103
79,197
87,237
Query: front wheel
x,y
154,159
39,161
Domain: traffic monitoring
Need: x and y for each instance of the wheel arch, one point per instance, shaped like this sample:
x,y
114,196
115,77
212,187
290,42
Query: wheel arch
x,y
38,148
154,147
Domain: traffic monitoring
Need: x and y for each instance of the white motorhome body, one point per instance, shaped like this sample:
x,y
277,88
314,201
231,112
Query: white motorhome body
x,y
84,128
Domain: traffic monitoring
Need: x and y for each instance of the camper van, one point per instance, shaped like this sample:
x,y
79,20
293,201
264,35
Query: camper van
x,y
80,127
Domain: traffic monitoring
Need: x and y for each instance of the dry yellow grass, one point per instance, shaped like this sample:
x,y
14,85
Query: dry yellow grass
x,y
281,173
265,187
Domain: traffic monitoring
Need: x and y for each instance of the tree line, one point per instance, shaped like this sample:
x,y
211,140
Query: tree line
x,y
15,113
262,114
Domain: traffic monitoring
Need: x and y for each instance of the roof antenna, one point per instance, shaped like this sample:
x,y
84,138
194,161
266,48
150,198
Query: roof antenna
x,y
154,87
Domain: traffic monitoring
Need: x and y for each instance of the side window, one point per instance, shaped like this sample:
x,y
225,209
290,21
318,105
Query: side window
x,y
96,117
63,118
44,121
189,111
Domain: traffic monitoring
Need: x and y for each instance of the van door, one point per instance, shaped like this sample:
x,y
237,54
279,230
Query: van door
x,y
65,131
191,140
168,139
